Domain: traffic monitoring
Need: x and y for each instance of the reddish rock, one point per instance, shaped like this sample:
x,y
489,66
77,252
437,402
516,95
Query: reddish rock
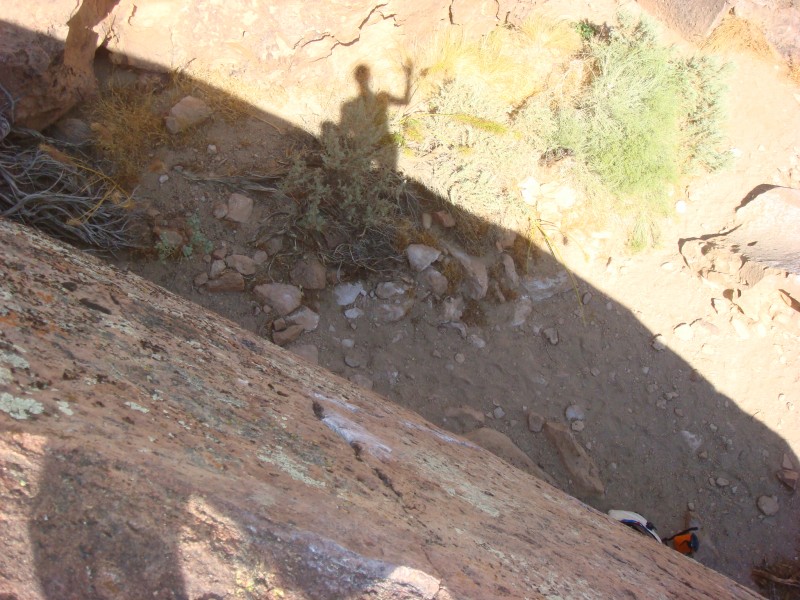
x,y
501,445
229,281
281,297
190,111
288,335
444,219
309,274
240,208
577,461
241,263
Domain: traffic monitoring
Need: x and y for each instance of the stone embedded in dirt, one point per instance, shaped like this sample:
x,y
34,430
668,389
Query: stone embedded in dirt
x,y
353,313
786,462
221,252
288,335
355,359
186,113
501,445
577,426
551,334
542,287
684,332
260,257
788,477
216,269
658,343
273,245
169,237
361,380
220,210
722,482
281,297
574,413
427,220
535,422
461,419
498,412
768,505
201,279
444,219
310,274
522,310
72,131
346,293
390,313
243,264
476,278
476,341
578,463
510,277
741,328
240,208
229,281
420,256
692,440
452,308
434,280
308,351
506,239
305,317
389,289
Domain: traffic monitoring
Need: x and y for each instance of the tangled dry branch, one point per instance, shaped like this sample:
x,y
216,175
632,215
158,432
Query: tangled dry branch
x,y
43,186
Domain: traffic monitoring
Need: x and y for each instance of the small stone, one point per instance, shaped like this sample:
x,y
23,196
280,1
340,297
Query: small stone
x,y
476,341
460,358
574,413
308,351
498,412
420,256
713,427
678,412
361,381
434,280
281,297
288,335
594,371
789,478
353,313
684,332
703,455
389,289
348,343
221,252
768,505
741,328
522,310
200,279
444,219
273,245
162,179
304,317
310,274
577,426
354,359
240,208
188,112
211,149
229,281
535,422
260,257
722,482
476,277
346,293
241,263
670,395
551,334
511,279
690,506
427,220
390,313
658,343
452,309
216,269
586,298
170,237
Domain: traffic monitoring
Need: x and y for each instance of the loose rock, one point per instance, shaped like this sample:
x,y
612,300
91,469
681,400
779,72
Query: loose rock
x,y
353,313
768,505
551,334
502,446
200,279
476,278
535,422
310,274
461,419
658,343
308,351
575,413
390,313
346,293
420,257
361,380
434,280
576,460
498,412
240,208
389,289
281,297
216,269
243,264
522,310
288,335
229,281
354,359
186,113
304,317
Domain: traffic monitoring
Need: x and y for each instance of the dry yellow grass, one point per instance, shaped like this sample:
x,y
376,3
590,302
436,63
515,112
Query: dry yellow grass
x,y
739,35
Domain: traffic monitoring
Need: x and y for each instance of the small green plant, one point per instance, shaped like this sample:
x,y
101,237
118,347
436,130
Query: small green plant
x,y
197,239
165,247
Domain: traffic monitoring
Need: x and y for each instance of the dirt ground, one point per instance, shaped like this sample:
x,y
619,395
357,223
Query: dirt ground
x,y
702,424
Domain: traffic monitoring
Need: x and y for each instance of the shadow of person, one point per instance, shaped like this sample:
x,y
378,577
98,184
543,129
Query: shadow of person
x,y
364,120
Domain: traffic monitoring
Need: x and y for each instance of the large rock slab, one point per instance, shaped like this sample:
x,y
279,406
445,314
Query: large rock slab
x,y
167,456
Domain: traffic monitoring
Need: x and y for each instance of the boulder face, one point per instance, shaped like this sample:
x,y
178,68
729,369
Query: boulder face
x,y
152,449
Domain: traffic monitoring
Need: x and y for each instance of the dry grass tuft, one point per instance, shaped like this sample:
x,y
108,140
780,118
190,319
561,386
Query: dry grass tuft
x,y
735,34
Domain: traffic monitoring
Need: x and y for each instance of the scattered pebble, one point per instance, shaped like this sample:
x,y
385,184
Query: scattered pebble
x,y
551,334
498,413
658,343
577,426
459,358
535,422
768,505
574,413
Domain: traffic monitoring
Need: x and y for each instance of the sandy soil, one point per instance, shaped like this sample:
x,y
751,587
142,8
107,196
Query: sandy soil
x,y
703,424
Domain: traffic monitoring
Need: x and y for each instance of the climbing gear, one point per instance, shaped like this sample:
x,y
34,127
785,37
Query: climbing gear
x,y
686,541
